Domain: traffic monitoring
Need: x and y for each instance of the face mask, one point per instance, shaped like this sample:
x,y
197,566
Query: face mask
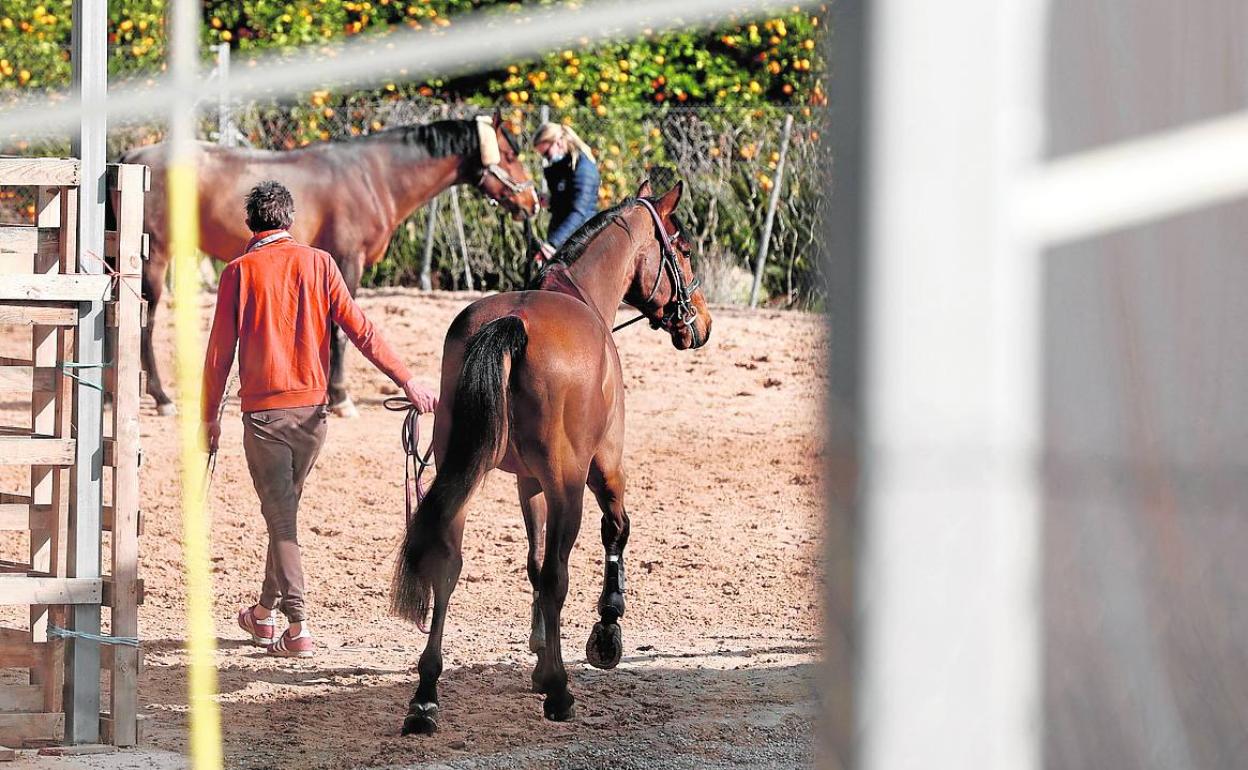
x,y
555,157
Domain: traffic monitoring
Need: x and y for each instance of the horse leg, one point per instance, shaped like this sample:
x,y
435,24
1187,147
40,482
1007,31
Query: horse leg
x,y
562,525
153,286
339,400
422,709
606,642
533,506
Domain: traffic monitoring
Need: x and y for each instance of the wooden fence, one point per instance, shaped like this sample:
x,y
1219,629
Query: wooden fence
x,y
45,290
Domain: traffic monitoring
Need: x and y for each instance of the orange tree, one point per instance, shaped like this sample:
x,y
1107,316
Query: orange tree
x,y
771,60
615,93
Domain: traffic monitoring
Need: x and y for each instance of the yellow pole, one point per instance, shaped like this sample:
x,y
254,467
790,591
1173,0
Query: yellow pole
x,y
205,716
201,631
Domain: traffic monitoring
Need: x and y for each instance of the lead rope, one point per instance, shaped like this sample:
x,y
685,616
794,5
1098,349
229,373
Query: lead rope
x,y
414,466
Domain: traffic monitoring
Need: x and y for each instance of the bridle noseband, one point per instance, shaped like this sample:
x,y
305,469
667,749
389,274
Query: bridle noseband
x,y
682,293
507,180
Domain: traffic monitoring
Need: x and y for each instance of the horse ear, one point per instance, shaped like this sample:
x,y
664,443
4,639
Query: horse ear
x,y
645,191
667,204
498,117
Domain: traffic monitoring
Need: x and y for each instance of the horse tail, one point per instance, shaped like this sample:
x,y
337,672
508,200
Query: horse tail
x,y
479,425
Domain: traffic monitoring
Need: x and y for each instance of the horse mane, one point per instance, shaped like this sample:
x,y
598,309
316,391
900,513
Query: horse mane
x,y
439,139
574,246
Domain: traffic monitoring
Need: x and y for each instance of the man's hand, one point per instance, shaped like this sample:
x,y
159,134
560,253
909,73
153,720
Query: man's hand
x,y
212,435
424,399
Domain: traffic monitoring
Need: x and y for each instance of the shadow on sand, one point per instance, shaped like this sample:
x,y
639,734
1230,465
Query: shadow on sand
x,y
644,714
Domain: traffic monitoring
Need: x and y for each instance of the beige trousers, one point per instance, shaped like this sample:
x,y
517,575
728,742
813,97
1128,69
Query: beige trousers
x,y
281,447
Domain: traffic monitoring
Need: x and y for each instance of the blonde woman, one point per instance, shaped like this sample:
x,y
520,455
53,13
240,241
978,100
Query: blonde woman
x,y
571,177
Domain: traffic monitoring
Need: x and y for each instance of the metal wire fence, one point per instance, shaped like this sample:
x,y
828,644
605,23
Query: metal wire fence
x,y
728,159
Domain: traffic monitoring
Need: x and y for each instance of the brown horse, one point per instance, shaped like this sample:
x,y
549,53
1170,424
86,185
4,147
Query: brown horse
x,y
349,197
531,384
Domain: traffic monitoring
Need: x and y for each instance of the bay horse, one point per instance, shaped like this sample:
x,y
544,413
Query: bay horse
x,y
349,196
531,384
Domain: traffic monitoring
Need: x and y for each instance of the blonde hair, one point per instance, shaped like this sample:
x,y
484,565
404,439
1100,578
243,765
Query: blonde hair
x,y
549,132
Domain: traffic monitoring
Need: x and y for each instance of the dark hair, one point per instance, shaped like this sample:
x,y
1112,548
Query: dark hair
x,y
269,207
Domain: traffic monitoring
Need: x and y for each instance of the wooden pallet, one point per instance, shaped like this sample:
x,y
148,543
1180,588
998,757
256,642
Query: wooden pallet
x,y
44,287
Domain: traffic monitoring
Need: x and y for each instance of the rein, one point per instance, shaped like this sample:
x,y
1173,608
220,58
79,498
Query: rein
x,y
617,327
414,466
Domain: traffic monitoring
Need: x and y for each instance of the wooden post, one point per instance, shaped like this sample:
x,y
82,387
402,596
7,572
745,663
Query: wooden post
x,y
426,264
50,415
459,233
89,64
765,239
131,182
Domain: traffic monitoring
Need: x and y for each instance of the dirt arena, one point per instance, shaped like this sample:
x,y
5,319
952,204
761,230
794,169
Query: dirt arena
x,y
721,635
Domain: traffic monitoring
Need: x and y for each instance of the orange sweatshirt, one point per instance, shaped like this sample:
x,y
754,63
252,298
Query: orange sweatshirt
x,y
276,303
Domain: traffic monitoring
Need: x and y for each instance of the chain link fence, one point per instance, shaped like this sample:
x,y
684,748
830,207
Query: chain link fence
x,y
727,157
729,160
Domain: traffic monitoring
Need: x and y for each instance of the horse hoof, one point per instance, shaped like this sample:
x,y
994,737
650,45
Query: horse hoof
x,y
559,709
167,410
421,719
345,408
419,724
605,646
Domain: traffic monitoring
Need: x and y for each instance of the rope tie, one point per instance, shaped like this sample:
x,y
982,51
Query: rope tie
x,y
117,275
65,633
67,366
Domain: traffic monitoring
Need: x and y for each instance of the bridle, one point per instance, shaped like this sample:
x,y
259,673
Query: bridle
x,y
506,179
682,293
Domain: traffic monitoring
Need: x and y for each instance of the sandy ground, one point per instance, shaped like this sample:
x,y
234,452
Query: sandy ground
x,y
721,635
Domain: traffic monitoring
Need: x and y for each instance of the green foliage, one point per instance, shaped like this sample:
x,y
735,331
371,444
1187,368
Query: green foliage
x,y
707,104
765,61
772,61
35,41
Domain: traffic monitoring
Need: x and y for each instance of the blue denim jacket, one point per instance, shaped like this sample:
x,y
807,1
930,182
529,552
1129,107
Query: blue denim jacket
x,y
573,197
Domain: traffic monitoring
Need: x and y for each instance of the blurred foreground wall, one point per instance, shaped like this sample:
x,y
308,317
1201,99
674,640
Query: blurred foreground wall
x,y
1145,516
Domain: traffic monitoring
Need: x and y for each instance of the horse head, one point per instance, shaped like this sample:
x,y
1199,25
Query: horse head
x,y
504,179
664,287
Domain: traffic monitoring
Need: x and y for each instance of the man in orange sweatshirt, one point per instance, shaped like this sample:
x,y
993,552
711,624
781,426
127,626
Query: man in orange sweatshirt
x,y
275,303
